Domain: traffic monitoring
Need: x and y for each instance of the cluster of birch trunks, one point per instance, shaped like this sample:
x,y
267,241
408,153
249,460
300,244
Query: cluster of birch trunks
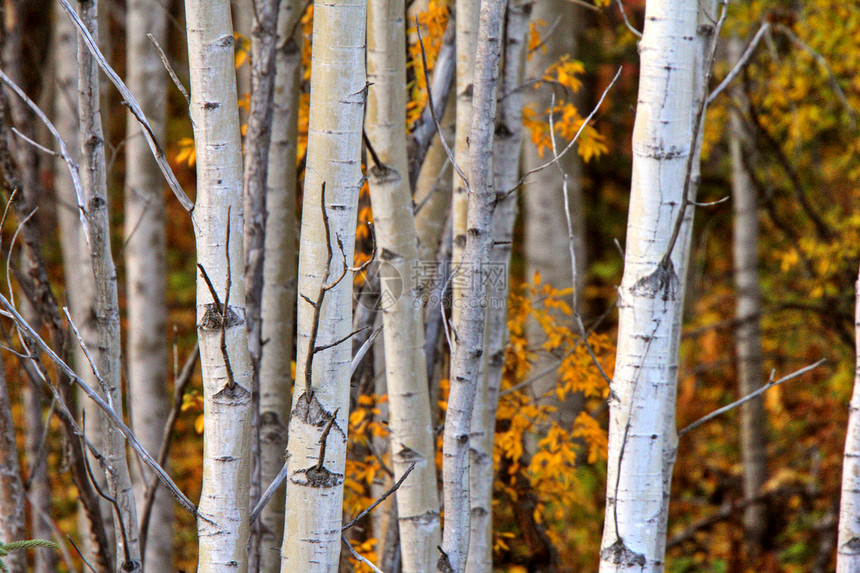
x,y
275,442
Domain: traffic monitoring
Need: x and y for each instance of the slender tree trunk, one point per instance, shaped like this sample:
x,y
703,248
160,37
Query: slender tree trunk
x,y
318,422
279,280
264,38
848,544
12,495
466,22
650,298
145,264
77,270
506,153
748,332
108,351
222,524
433,191
465,366
412,438
546,248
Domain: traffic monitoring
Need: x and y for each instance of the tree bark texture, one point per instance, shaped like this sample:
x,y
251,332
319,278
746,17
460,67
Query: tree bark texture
x,y
466,363
145,265
506,153
108,350
412,438
279,280
222,524
333,179
642,393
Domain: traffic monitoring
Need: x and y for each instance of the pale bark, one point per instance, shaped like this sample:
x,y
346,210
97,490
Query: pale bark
x,y
146,266
318,422
12,492
506,153
108,350
412,438
545,246
222,524
641,434
466,28
465,366
848,544
77,270
264,37
748,333
279,280
433,191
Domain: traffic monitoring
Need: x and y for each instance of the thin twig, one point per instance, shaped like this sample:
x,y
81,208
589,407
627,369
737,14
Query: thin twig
x,y
356,360
64,151
741,63
522,180
270,491
35,144
131,103
433,110
89,357
111,414
83,558
324,439
627,23
698,123
358,556
749,397
382,498
169,69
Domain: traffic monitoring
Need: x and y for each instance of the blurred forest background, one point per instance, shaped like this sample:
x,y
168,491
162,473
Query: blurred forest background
x,y
790,115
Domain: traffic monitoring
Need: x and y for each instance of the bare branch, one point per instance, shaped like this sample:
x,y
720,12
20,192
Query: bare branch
x,y
748,397
169,69
358,556
627,23
111,414
132,105
64,151
569,145
270,491
740,65
382,498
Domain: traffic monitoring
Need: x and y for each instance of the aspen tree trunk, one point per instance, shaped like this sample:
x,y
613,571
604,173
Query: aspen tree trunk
x,y
146,266
264,37
705,28
748,332
412,438
433,190
222,525
77,270
466,20
318,422
466,363
848,545
12,494
506,153
279,280
545,246
108,350
650,297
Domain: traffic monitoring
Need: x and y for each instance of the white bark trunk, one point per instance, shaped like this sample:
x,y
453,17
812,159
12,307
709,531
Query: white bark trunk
x,y
748,332
465,366
108,350
848,544
146,266
315,471
279,281
412,438
77,269
223,523
506,153
650,298
466,21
